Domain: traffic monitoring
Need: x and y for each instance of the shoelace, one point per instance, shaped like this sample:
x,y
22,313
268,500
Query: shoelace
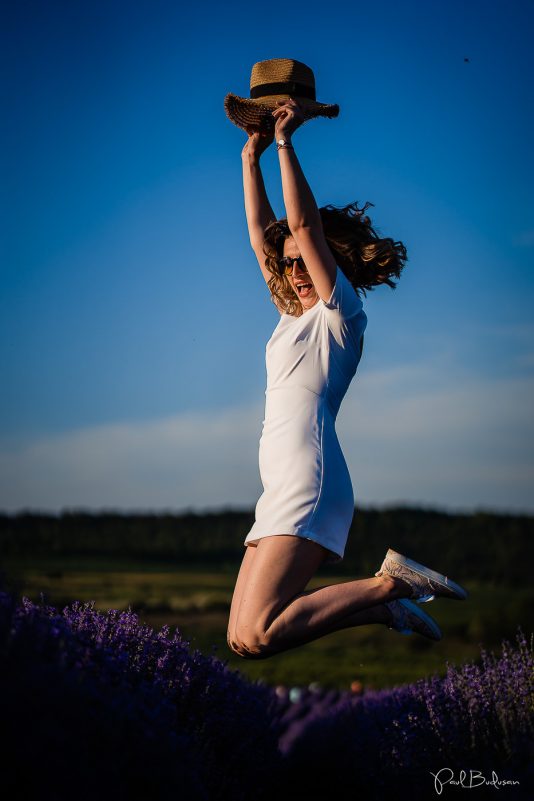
x,y
396,569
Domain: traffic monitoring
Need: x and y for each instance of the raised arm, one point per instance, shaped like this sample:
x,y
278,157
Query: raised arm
x,y
303,216
257,207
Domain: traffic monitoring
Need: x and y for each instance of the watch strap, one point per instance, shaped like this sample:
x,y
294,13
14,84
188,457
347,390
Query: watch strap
x,y
284,143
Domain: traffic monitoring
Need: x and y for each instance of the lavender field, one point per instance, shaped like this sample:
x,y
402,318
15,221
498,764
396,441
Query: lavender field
x,y
96,704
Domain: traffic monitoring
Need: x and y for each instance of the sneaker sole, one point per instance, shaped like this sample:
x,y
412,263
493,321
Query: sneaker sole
x,y
429,622
458,592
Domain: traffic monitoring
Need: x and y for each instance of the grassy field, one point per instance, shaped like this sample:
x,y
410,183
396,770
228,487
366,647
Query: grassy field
x,y
197,603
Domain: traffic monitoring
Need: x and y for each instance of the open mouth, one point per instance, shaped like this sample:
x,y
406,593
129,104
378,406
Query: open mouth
x,y
303,289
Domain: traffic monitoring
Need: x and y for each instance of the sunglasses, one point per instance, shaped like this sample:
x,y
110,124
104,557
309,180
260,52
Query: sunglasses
x,y
285,265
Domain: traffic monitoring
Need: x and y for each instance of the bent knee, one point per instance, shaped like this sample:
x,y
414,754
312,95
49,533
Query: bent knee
x,y
250,647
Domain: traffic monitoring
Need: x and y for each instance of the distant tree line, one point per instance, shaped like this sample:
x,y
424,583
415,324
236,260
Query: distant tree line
x,y
482,546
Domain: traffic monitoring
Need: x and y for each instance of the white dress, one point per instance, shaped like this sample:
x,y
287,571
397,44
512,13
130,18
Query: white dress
x,y
310,362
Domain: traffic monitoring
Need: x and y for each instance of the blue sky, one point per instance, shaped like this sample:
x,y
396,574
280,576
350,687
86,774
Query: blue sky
x,y
133,316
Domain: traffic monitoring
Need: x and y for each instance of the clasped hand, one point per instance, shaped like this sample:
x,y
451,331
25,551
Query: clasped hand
x,y
288,117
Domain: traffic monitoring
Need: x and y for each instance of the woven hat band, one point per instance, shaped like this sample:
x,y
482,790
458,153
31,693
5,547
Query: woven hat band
x,y
283,88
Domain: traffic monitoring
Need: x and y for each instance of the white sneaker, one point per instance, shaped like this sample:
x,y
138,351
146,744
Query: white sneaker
x,y
426,584
409,617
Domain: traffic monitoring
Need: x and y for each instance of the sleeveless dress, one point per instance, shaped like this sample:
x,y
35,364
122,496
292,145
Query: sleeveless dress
x,y
310,360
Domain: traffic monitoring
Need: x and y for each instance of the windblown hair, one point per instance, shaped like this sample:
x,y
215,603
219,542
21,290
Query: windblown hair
x,y
365,258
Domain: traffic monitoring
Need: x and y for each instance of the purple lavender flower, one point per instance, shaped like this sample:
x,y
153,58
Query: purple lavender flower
x,y
96,699
93,700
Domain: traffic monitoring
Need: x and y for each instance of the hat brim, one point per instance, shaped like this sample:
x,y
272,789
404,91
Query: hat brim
x,y
246,112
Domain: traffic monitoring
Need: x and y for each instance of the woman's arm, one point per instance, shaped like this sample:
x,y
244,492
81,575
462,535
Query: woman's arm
x,y
303,216
257,207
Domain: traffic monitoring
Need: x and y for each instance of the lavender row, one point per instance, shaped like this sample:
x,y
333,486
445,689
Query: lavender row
x,y
478,719
96,704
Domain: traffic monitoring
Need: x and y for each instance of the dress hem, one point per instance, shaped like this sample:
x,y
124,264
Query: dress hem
x,y
335,555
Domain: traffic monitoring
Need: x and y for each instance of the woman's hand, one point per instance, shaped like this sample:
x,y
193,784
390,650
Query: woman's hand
x,y
288,117
258,142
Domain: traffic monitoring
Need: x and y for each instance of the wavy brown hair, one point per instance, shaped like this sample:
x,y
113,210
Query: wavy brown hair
x,y
366,259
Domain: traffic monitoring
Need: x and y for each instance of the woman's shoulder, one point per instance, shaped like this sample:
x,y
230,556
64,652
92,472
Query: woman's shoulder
x,y
344,299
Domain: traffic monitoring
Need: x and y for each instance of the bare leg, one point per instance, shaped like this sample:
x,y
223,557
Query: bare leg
x,y
318,612
241,583
275,613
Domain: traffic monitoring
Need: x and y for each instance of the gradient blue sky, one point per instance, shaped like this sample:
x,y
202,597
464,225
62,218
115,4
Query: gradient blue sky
x,y
133,314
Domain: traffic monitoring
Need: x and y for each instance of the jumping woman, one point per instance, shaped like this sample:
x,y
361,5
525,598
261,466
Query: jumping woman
x,y
314,262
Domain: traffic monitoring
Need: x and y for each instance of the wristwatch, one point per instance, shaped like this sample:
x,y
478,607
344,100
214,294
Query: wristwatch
x,y
283,143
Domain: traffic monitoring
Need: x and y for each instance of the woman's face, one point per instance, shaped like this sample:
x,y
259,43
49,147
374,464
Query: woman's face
x,y
299,279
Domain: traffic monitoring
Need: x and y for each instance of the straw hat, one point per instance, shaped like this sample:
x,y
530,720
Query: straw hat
x,y
272,80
